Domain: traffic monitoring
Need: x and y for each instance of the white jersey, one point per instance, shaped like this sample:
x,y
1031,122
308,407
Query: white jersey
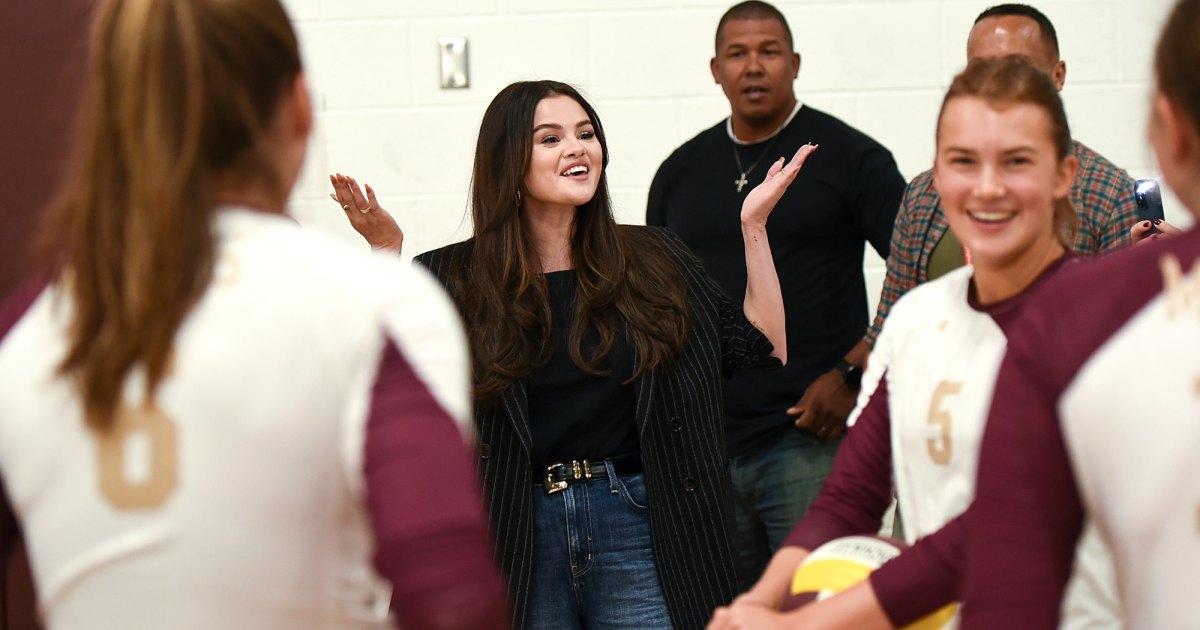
x,y
236,500
940,356
1145,486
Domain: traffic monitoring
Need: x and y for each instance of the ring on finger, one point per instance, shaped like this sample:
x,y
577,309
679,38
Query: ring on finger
x,y
366,209
345,206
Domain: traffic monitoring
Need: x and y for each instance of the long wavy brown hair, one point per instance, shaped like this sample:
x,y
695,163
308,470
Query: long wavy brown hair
x,y
627,284
176,91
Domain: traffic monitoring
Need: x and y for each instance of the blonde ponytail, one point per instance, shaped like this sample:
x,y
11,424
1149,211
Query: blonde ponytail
x,y
176,90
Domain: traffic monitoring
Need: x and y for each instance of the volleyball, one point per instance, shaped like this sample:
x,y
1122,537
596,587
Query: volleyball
x,y
841,563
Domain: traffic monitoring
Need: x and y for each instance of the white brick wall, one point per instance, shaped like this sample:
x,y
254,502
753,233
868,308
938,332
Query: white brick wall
x,y
881,65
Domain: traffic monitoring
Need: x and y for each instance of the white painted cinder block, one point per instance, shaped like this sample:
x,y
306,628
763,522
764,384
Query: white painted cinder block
x,y
860,47
1112,120
358,65
904,123
373,9
651,54
880,65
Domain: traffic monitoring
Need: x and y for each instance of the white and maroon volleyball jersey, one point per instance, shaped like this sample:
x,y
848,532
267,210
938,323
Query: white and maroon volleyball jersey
x,y
940,355
1097,415
940,352
236,500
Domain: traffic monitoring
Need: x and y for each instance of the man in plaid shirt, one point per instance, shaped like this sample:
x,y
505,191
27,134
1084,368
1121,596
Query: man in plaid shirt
x,y
923,248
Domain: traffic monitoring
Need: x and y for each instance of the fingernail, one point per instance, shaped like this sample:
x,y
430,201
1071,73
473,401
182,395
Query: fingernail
x,y
1158,222
1145,224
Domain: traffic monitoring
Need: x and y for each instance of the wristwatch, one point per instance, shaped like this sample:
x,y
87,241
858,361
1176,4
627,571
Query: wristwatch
x,y
851,373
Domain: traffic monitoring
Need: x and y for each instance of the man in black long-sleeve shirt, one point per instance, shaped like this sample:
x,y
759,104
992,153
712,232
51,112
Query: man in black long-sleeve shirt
x,y
782,445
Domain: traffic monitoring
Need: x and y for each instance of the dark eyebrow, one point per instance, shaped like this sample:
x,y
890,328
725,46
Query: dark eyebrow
x,y
1020,149
583,123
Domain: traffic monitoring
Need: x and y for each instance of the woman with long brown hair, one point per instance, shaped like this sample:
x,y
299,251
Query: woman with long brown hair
x,y
598,350
202,424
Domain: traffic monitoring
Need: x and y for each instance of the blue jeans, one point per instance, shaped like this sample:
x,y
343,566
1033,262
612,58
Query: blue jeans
x,y
772,490
593,565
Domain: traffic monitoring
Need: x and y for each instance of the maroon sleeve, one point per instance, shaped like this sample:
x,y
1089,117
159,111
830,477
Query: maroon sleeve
x,y
925,577
1027,516
432,539
858,490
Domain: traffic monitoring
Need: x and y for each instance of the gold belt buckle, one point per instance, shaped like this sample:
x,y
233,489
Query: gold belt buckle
x,y
579,470
549,484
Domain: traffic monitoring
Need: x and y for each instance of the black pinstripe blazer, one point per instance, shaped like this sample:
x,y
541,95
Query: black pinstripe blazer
x,y
679,417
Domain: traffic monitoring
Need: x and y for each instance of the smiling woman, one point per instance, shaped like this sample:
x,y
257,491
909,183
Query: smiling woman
x,y
598,352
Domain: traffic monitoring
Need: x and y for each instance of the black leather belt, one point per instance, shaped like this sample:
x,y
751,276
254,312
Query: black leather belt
x,y
559,475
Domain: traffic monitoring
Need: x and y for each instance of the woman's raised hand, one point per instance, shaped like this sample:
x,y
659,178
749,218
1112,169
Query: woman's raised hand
x,y
761,201
366,215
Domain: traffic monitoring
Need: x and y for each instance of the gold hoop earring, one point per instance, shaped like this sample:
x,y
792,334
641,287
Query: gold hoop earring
x,y
518,199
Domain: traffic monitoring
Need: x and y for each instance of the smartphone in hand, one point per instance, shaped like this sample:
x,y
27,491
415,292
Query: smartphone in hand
x,y
1149,203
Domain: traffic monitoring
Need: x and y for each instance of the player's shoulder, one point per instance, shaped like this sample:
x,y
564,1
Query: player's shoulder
x,y
927,298
1130,276
1087,302
276,250
927,302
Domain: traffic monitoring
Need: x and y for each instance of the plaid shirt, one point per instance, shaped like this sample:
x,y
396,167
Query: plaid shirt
x,y
1104,193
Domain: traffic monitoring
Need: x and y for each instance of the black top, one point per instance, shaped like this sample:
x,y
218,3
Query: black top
x,y
846,195
575,415
681,434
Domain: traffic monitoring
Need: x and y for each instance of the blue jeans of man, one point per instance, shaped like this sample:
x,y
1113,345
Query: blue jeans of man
x,y
593,564
772,490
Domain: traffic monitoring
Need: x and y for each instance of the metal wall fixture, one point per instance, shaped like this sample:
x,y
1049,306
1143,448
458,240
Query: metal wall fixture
x,y
455,72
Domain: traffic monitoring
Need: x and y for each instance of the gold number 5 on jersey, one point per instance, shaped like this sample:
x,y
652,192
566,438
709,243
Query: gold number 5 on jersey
x,y
133,477
941,448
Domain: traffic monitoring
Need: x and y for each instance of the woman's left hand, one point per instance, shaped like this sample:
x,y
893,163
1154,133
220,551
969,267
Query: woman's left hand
x,y
761,201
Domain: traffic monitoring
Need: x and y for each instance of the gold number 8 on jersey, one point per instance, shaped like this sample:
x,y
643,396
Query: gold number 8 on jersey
x,y
133,477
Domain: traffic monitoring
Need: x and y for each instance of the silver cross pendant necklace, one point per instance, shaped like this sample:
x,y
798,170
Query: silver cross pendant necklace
x,y
741,181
